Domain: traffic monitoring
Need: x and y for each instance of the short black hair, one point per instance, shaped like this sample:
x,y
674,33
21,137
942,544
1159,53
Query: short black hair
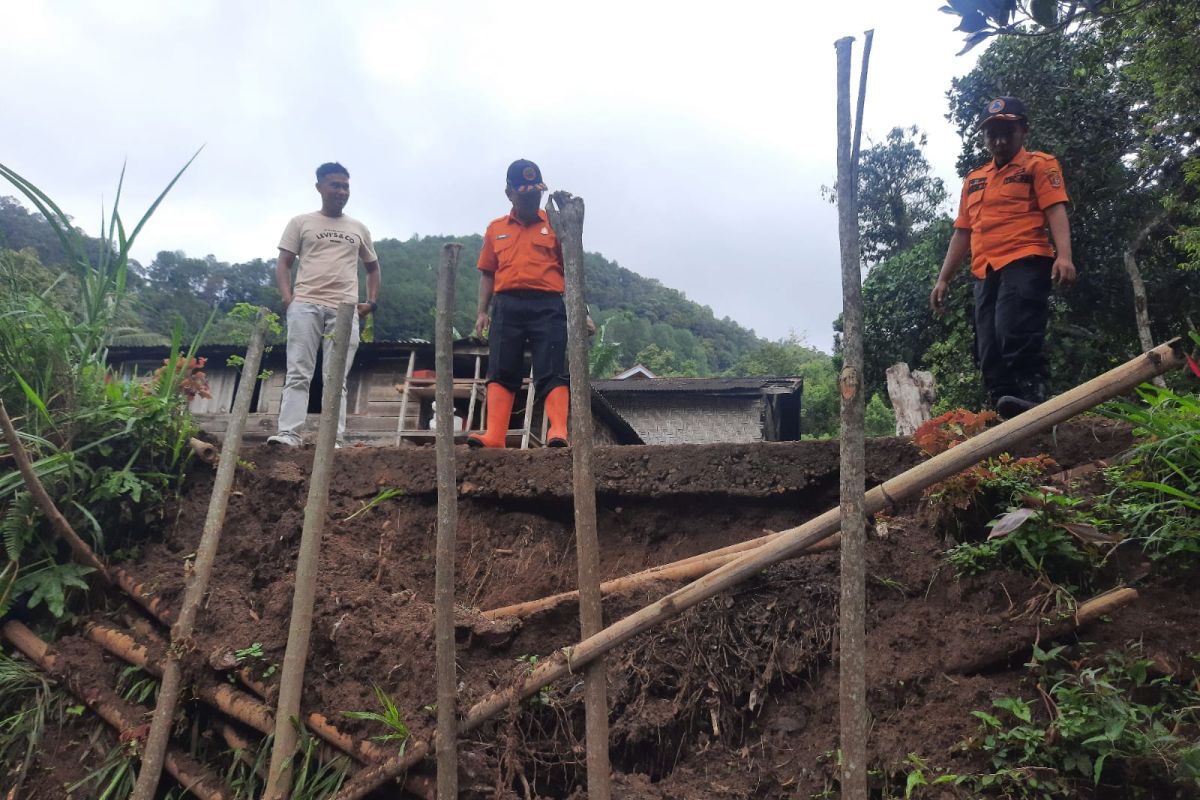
x,y
330,167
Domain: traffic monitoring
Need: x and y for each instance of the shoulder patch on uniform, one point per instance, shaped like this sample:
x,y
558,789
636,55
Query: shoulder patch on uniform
x,y
1054,177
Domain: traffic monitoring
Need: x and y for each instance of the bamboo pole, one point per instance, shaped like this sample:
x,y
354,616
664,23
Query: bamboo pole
x,y
909,483
447,531
79,548
852,608
692,567
566,217
291,676
206,554
121,715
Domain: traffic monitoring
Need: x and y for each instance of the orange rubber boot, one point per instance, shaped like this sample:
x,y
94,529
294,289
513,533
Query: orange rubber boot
x,y
499,404
558,404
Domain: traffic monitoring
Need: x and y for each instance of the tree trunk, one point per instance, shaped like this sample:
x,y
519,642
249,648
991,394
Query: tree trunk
x,y
912,395
1141,307
291,675
447,528
852,697
566,217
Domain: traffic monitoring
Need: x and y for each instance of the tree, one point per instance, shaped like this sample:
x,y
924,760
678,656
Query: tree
x,y
897,196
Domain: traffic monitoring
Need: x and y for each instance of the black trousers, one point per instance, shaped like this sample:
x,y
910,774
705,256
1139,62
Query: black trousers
x,y
1012,307
536,319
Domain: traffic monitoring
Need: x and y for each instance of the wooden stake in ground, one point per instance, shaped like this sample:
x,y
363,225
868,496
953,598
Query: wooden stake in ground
x,y
206,554
79,548
852,697
447,530
566,217
291,674
908,484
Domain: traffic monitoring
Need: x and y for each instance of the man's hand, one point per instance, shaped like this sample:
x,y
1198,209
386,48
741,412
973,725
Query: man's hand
x,y
482,323
287,301
363,309
1063,272
591,326
938,296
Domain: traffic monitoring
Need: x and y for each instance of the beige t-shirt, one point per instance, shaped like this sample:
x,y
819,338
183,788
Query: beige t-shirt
x,y
329,249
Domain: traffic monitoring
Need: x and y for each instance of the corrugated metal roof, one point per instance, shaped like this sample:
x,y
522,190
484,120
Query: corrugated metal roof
x,y
725,386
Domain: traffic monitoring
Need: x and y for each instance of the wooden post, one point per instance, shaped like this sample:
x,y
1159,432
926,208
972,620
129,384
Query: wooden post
x,y
852,695
447,528
408,377
291,675
529,398
467,428
206,554
568,660
566,217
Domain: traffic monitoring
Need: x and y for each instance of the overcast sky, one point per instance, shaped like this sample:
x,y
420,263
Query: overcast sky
x,y
698,133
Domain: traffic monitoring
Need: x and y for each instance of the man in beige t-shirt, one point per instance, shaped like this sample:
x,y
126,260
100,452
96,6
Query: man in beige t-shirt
x,y
329,245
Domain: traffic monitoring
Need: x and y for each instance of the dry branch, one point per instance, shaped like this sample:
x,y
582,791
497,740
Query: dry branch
x,y
909,483
79,548
686,568
123,716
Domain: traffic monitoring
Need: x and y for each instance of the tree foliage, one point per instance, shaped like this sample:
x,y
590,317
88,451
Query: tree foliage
x,y
898,197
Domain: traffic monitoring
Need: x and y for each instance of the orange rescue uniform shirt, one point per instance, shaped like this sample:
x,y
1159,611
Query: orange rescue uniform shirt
x,y
1004,209
522,256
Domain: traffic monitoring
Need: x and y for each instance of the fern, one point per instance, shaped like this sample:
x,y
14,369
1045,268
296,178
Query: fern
x,y
17,525
50,585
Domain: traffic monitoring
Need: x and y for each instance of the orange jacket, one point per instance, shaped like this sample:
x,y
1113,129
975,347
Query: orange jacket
x,y
1004,209
523,256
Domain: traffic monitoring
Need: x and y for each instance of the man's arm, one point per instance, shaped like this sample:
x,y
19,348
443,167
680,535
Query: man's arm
x,y
960,242
1063,271
487,286
373,281
283,275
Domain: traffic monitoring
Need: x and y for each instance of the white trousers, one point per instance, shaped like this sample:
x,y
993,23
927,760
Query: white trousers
x,y
310,326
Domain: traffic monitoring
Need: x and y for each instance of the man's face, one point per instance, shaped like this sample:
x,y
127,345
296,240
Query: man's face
x,y
526,203
1004,138
335,191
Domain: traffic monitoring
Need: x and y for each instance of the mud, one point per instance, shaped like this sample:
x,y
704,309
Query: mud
x,y
735,698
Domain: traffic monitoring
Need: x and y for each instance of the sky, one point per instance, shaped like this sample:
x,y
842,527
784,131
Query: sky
x,y
698,134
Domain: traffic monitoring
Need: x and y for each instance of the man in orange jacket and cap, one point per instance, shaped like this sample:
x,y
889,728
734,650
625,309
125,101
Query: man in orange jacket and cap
x,y
1012,216
521,282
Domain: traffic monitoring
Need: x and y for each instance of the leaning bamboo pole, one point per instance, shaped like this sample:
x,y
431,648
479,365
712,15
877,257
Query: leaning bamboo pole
x,y
566,217
291,674
121,715
909,483
79,548
447,531
206,555
686,568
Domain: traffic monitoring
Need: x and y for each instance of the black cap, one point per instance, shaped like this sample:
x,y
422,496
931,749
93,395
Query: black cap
x,y
524,176
1006,108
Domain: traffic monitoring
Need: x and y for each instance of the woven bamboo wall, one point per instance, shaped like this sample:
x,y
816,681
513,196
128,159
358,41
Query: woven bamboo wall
x,y
692,419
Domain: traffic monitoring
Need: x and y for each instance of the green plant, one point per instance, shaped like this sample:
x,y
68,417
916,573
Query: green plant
x,y
108,448
28,701
114,778
383,496
1096,720
390,718
134,685
253,651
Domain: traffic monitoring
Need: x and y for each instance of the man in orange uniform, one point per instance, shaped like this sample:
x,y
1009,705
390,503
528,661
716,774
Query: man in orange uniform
x,y
521,279
1003,215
